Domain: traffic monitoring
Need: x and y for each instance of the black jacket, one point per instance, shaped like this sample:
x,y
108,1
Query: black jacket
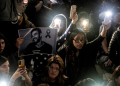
x,y
85,60
114,48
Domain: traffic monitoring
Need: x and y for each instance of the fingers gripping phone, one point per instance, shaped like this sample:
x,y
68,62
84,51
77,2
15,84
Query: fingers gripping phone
x,y
107,20
21,63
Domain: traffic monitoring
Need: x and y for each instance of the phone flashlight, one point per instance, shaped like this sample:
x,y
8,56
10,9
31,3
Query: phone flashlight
x,y
108,13
84,22
25,1
3,83
107,18
57,22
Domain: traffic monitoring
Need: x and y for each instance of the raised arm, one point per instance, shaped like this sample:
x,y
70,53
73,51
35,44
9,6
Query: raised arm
x,y
38,6
62,39
97,42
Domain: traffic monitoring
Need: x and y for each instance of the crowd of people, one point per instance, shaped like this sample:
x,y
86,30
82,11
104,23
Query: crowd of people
x,y
83,41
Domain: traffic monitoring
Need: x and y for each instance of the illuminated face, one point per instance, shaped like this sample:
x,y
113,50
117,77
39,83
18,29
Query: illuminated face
x,y
78,41
4,68
2,45
83,24
118,81
35,36
117,18
59,25
53,70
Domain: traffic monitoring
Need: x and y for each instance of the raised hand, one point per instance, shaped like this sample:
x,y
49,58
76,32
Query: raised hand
x,y
19,72
19,41
74,18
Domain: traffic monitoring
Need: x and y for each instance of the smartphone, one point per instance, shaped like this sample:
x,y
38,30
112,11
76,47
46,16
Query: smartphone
x,y
21,63
72,11
107,20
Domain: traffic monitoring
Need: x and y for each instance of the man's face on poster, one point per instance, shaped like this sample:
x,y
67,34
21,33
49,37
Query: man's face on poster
x,y
35,36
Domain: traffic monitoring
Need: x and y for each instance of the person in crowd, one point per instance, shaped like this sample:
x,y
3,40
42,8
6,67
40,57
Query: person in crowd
x,y
14,79
39,61
115,79
37,12
114,47
53,74
103,52
78,55
37,43
8,18
86,82
85,25
61,24
23,22
6,50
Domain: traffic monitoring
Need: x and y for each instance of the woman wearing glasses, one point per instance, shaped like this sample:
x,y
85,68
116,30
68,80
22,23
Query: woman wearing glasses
x,y
79,55
53,75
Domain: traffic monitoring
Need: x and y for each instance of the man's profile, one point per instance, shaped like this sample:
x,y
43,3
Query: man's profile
x,y
37,43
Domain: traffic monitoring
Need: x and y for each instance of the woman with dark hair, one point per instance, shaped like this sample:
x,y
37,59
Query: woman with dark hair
x,y
53,75
9,80
79,55
6,50
23,22
115,79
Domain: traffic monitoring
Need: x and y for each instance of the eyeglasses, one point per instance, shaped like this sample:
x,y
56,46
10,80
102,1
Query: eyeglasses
x,y
78,40
56,69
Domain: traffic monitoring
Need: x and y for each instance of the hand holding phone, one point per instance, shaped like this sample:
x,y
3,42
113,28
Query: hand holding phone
x,y
107,20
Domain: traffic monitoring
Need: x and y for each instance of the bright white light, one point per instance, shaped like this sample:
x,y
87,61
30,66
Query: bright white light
x,y
3,83
57,21
25,1
84,22
108,13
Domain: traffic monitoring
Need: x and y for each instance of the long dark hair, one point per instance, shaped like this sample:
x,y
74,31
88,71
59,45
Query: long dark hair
x,y
58,60
7,50
70,40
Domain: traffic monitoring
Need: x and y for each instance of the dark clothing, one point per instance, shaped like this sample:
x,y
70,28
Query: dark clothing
x,y
82,66
32,49
108,38
7,52
109,33
114,48
64,37
40,81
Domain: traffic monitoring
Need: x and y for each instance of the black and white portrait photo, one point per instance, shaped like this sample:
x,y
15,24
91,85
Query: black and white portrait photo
x,y
38,40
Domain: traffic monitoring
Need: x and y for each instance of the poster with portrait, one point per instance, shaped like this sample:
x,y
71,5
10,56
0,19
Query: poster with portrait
x,y
39,40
